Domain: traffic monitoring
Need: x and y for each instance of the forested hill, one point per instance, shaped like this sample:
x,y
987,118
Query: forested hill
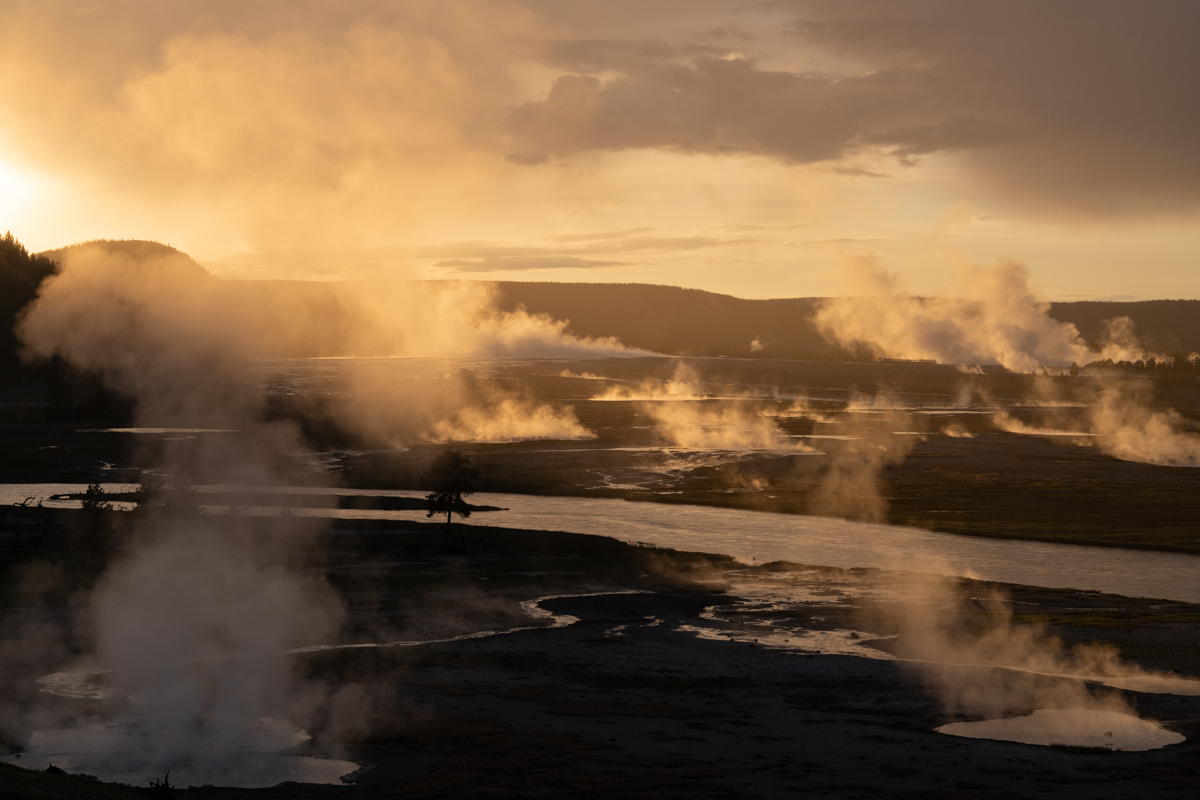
x,y
1166,326
668,319
136,250
20,274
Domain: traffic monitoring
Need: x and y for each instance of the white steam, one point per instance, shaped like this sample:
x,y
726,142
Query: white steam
x,y
994,319
1119,419
684,384
719,426
1125,427
194,626
510,420
852,484
952,637
686,415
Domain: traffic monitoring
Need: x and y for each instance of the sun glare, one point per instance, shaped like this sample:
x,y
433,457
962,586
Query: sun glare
x,y
17,190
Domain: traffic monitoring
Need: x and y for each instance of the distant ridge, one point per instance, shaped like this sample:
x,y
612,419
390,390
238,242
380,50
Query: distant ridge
x,y
676,321
663,319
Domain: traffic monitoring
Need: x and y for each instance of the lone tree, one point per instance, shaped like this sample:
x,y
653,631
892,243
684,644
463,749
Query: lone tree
x,y
452,479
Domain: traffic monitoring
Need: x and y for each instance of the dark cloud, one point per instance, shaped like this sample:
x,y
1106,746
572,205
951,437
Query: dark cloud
x,y
578,246
522,263
1071,106
710,105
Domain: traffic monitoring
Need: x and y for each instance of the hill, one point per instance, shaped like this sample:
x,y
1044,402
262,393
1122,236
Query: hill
x,y
137,250
668,319
1166,326
662,319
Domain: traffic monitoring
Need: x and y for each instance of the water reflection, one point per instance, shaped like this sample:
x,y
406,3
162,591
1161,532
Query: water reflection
x,y
759,536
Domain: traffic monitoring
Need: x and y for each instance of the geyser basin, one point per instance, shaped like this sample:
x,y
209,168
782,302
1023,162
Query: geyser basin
x,y
122,752
1074,727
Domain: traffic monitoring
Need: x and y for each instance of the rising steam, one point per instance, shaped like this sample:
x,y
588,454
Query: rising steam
x,y
194,619
194,625
950,629
852,485
720,426
1120,420
684,384
996,319
686,415
510,420
1125,427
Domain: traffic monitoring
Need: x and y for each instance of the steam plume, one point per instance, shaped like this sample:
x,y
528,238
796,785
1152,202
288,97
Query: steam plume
x,y
1128,429
510,420
946,634
852,484
996,319
1121,421
723,426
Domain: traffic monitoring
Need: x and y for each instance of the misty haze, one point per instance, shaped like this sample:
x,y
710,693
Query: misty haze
x,y
529,399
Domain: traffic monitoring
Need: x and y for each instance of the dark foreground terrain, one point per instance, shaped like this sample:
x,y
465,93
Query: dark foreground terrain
x,y
622,703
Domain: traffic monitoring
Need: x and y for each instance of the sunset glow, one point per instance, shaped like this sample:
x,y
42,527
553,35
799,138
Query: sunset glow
x,y
753,149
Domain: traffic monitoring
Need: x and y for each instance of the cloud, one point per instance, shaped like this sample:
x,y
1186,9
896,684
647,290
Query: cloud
x,y
567,251
303,123
285,121
521,263
1093,117
599,235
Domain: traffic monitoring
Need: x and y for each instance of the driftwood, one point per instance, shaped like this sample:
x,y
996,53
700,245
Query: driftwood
x,y
163,787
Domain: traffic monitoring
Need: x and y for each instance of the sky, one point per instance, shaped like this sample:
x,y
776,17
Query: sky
x,y
758,149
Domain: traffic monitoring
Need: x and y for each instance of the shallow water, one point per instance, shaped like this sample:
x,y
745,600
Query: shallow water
x,y
122,752
1074,727
758,536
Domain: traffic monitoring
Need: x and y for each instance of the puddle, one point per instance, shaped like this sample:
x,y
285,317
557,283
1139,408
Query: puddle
x,y
124,752
1074,727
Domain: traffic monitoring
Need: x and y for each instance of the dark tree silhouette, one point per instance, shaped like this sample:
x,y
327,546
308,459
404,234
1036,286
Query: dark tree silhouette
x,y
452,479
20,275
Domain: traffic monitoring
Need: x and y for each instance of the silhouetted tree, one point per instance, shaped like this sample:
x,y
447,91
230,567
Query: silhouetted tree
x,y
94,498
20,275
452,479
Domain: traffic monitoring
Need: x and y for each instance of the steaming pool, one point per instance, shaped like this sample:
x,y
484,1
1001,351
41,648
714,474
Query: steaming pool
x,y
1071,727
